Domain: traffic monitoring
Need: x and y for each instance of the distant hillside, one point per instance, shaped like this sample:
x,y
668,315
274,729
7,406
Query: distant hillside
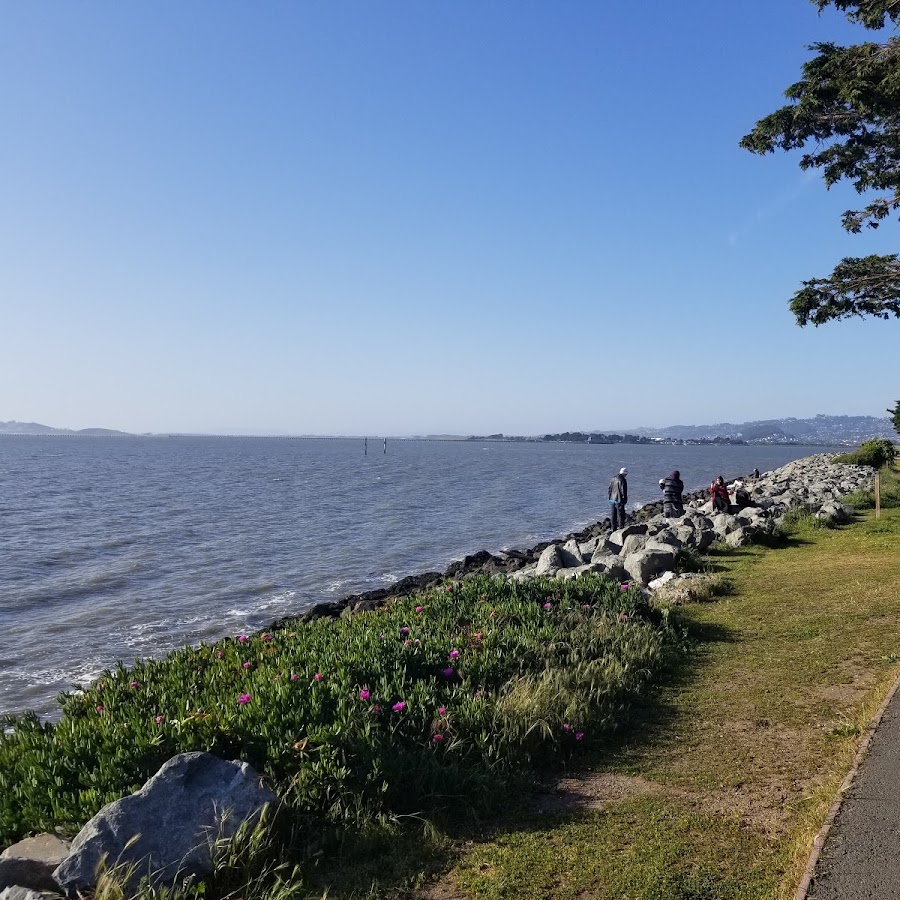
x,y
819,430
36,428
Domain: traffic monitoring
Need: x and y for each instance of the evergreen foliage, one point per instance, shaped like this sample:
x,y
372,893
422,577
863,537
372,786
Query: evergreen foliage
x,y
845,111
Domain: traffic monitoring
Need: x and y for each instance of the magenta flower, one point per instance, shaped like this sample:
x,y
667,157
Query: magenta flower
x,y
623,617
399,706
437,737
448,672
100,707
478,695
364,694
381,637
585,605
246,665
294,676
267,637
404,630
419,608
442,710
407,643
219,654
579,735
449,587
318,676
135,684
624,586
243,699
547,605
477,635
566,727
454,654
159,720
376,708
242,638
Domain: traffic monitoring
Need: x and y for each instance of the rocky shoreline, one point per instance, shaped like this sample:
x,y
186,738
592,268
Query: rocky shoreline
x,y
648,546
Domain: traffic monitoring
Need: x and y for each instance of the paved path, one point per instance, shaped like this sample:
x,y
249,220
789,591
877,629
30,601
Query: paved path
x,y
861,856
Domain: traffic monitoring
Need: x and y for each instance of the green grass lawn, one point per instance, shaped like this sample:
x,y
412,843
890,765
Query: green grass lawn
x,y
719,786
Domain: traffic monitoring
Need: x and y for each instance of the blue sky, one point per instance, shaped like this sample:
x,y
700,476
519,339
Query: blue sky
x,y
408,218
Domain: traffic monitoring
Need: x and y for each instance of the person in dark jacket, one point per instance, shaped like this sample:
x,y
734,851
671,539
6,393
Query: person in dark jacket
x,y
618,497
719,491
672,488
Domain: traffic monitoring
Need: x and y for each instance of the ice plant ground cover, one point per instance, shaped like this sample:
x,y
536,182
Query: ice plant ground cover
x,y
435,705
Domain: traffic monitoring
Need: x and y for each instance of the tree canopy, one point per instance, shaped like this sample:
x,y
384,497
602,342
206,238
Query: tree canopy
x,y
845,113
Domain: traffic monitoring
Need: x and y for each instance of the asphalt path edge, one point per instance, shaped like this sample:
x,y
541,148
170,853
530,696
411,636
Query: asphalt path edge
x,y
810,870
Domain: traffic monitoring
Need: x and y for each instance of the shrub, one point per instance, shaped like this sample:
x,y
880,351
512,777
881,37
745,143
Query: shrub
x,y
876,452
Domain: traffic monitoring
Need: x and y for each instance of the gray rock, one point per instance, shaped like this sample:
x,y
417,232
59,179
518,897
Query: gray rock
x,y
17,892
30,863
613,567
632,544
645,565
168,827
549,561
570,554
588,547
740,537
657,583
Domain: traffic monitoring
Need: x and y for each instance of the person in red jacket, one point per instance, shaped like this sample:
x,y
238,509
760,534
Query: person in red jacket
x,y
719,491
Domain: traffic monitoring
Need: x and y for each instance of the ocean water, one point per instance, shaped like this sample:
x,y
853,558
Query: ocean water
x,y
118,548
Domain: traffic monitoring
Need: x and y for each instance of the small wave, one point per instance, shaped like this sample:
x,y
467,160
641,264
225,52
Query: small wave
x,y
334,586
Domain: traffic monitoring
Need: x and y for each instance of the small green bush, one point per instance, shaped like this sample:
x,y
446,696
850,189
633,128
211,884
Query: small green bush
x,y
876,453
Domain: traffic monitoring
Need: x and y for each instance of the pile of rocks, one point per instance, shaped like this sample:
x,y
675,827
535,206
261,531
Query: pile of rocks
x,y
645,550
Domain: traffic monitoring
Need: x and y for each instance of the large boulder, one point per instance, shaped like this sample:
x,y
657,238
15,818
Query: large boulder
x,y
645,565
740,537
632,544
17,892
549,561
571,554
167,829
30,863
611,566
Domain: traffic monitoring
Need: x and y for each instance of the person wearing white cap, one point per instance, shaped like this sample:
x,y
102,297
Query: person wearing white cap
x,y
618,497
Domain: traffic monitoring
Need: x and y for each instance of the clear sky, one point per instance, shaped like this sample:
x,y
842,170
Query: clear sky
x,y
406,218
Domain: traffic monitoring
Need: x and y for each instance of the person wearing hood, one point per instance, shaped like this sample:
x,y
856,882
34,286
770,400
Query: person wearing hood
x,y
672,488
618,497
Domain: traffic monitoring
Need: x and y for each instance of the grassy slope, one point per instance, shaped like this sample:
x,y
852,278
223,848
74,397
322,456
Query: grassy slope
x,y
719,792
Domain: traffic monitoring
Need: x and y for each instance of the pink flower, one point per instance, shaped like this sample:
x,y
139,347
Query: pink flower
x,y
246,665
407,643
477,635
100,707
244,699
624,587
159,720
381,637
318,676
219,654
442,710
585,605
547,605
267,637
364,694
566,727
399,706
294,676
242,638
419,608
437,737
376,708
448,672
135,684
623,617
579,735
449,587
478,695
404,630
454,654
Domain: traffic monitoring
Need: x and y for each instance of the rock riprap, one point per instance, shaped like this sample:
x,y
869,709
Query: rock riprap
x,y
643,551
168,828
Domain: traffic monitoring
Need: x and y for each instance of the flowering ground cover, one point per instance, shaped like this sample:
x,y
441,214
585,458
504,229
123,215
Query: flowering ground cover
x,y
434,706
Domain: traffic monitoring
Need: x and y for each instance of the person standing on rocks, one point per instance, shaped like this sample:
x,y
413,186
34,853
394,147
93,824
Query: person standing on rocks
x,y
618,497
672,488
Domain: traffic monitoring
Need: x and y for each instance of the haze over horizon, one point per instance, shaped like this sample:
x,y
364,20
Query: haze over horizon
x,y
344,219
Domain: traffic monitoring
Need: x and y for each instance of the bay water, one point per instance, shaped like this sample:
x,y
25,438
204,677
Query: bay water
x,y
114,548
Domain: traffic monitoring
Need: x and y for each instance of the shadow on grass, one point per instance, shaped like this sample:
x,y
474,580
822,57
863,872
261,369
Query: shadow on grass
x,y
652,721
